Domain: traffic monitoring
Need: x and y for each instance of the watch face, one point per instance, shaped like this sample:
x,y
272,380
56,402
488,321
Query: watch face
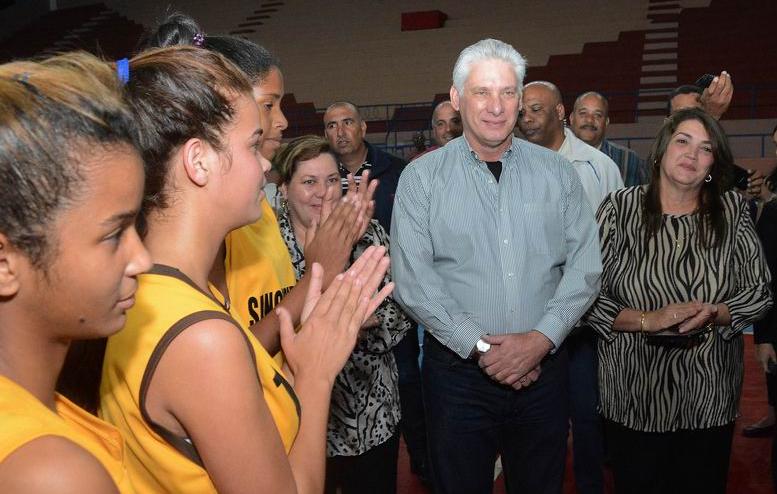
x,y
482,346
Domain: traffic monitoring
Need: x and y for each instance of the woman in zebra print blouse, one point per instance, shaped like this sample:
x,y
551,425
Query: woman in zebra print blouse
x,y
680,255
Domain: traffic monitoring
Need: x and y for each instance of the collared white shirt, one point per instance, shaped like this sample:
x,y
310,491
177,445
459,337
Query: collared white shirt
x,y
598,173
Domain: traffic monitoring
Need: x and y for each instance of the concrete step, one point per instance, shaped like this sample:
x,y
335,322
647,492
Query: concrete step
x,y
652,46
670,56
667,67
662,25
663,79
670,34
653,120
651,105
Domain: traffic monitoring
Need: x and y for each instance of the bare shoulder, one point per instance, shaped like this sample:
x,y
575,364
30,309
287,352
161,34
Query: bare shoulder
x,y
212,337
53,465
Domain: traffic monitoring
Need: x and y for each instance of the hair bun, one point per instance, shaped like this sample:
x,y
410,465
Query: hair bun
x,y
176,29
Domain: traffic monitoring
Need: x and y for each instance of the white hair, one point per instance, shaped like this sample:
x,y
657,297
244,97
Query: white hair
x,y
487,49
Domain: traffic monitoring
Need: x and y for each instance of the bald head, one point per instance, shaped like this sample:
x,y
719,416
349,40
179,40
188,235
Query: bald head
x,y
345,131
549,87
446,123
542,117
346,105
589,118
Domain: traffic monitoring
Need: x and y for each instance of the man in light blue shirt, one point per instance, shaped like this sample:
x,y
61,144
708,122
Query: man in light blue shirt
x,y
495,251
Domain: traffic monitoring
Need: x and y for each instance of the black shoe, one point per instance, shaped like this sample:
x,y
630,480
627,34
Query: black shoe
x,y
419,470
758,430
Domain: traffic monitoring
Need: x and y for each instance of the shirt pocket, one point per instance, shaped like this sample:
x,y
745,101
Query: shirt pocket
x,y
542,229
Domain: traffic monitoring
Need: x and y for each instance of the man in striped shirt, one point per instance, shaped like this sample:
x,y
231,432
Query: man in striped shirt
x,y
589,120
495,251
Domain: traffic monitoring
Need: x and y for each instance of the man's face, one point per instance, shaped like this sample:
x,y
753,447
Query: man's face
x,y
589,120
682,101
540,122
489,104
344,129
446,124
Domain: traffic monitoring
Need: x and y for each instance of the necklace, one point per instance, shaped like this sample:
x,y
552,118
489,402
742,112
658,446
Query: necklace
x,y
674,227
677,239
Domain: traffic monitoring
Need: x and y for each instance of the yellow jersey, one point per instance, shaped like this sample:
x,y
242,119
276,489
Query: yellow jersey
x,y
167,302
24,418
258,268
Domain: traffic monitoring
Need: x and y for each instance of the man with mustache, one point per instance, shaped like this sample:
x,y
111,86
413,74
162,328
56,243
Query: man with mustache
x,y
589,120
542,122
345,131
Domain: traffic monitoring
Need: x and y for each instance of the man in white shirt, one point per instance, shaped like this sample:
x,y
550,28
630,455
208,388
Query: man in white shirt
x,y
542,122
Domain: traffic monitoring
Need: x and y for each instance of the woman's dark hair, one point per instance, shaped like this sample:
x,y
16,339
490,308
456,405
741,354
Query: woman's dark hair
x,y
300,149
180,29
176,94
711,218
53,114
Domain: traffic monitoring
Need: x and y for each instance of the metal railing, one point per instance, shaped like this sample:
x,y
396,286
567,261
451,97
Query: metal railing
x,y
761,102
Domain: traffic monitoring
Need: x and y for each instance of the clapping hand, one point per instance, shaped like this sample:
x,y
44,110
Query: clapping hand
x,y
331,320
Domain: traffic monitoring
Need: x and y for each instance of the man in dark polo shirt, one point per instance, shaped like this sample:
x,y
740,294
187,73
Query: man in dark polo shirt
x,y
345,131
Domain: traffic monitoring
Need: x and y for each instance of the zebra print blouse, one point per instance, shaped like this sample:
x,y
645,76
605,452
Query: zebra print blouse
x,y
656,388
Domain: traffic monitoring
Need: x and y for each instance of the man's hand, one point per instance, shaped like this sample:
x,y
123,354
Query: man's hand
x,y
756,182
764,353
514,356
717,96
519,382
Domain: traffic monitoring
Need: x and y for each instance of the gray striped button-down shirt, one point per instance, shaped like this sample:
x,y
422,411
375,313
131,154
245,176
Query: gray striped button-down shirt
x,y
472,256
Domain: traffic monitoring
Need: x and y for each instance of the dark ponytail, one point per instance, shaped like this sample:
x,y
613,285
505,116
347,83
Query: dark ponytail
x,y
179,29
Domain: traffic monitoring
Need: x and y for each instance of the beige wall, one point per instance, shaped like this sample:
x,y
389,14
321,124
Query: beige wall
x,y
352,49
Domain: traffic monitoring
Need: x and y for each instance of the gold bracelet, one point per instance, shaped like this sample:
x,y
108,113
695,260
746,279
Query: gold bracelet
x,y
642,322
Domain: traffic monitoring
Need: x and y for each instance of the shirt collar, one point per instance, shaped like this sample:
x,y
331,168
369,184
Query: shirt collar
x,y
465,146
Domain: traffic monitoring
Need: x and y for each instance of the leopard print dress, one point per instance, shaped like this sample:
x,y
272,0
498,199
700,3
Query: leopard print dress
x,y
364,411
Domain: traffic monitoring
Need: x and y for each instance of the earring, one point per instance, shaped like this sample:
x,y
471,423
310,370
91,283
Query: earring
x,y
708,179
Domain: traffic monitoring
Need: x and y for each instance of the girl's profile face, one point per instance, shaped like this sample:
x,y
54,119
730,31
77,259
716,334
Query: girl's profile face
x,y
268,94
95,252
245,166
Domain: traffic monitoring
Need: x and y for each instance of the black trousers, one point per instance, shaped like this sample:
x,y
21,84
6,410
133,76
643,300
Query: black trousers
x,y
681,462
472,419
372,472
